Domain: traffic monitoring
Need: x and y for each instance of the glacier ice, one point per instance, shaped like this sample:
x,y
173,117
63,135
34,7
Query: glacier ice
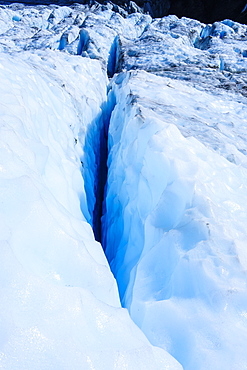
x,y
59,303
175,217
174,212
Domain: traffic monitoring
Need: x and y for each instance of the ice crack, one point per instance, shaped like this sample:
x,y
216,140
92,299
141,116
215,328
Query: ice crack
x,y
96,154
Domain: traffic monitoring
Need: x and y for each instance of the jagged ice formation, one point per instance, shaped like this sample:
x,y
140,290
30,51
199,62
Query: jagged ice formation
x,y
134,128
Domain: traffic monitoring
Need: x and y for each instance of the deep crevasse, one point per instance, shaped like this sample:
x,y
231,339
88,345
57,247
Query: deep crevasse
x,y
176,190
59,302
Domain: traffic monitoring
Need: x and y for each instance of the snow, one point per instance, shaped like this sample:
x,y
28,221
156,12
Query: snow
x,y
174,211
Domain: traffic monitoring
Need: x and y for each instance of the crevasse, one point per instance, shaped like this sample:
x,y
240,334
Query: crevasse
x,y
173,225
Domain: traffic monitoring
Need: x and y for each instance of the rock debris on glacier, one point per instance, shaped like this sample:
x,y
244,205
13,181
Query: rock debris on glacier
x,y
175,207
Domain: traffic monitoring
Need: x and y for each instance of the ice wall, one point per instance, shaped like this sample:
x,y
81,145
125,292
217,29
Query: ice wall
x,y
59,304
175,216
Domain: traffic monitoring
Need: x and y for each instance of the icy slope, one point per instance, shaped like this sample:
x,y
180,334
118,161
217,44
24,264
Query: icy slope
x,y
175,222
59,304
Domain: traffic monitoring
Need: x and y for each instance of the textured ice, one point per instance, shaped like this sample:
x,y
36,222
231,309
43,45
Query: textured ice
x,y
89,32
175,217
204,55
209,56
59,304
174,227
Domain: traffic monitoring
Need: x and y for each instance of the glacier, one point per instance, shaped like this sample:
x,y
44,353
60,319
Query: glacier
x,y
123,197
175,219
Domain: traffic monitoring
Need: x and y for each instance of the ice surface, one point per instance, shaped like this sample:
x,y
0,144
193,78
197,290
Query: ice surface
x,y
205,55
208,56
175,222
89,32
175,217
59,304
